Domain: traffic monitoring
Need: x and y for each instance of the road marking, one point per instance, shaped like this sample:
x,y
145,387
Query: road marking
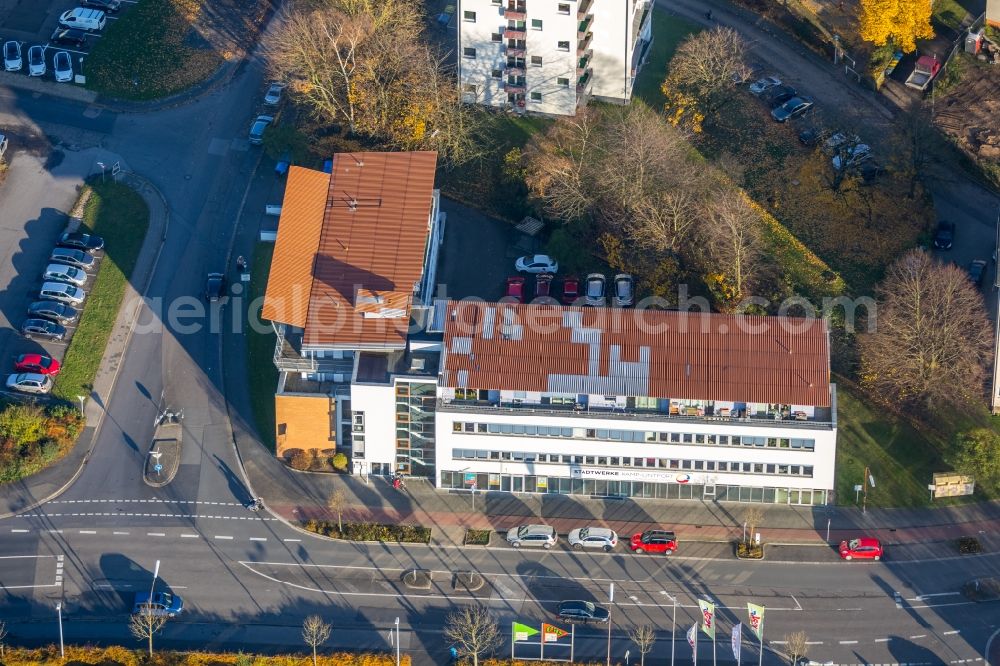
x,y
798,606
922,597
54,531
848,642
155,534
20,557
88,531
121,533
814,642
919,636
291,539
777,642
882,640
258,538
19,531
951,633
189,536
227,538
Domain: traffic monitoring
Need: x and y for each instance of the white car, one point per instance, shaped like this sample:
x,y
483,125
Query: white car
x,y
855,155
257,129
36,61
537,263
29,382
532,535
63,273
12,56
62,63
273,95
62,292
763,85
593,537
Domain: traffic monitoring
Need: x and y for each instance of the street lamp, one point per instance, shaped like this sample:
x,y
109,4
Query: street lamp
x,y
81,398
397,641
626,657
62,652
156,572
673,626
611,601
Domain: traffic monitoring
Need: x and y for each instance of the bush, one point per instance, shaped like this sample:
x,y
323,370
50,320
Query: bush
x,y
120,656
339,462
300,460
749,551
477,537
969,545
369,531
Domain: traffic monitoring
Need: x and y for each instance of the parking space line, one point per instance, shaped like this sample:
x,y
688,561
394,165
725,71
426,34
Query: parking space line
x,y
19,531
227,538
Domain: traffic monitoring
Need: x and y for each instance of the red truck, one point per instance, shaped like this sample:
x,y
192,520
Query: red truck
x,y
925,71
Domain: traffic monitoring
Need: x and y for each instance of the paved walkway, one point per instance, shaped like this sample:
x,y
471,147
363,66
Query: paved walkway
x,y
50,482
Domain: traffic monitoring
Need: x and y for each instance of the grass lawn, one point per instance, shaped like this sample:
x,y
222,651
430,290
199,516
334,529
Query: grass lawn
x,y
949,12
260,350
668,32
119,214
151,51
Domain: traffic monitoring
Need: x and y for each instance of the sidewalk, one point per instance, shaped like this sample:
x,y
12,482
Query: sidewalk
x,y
50,482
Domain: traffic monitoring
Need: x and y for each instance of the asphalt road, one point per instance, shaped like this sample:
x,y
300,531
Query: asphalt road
x,y
248,580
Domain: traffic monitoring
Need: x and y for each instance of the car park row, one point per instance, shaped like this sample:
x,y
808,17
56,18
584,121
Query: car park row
x,y
595,286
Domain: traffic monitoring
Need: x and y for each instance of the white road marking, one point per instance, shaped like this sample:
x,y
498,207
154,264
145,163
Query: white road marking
x,y
923,597
19,557
882,640
121,533
227,538
848,642
777,642
919,636
258,538
814,642
54,531
88,531
291,539
19,531
951,633
189,536
155,534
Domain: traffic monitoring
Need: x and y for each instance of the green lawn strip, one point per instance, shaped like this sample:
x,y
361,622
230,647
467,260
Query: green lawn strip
x,y
668,32
263,376
949,13
150,51
119,214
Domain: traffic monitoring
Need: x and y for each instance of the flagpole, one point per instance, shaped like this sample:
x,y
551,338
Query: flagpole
x,y
713,644
761,660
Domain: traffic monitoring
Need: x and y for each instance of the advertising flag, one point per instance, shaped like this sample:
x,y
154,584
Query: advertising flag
x,y
552,633
756,619
737,641
707,618
692,637
522,632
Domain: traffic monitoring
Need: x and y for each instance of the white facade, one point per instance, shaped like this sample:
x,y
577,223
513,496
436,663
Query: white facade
x,y
548,56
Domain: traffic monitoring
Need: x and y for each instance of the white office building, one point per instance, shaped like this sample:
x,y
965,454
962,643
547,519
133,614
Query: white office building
x,y
550,56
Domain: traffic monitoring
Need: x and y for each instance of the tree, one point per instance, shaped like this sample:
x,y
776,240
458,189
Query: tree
x,y
795,643
145,624
931,341
733,240
976,453
752,518
474,631
3,635
703,73
901,21
315,632
644,638
337,503
339,461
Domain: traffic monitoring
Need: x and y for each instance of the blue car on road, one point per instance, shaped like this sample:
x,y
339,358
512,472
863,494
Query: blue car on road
x,y
163,603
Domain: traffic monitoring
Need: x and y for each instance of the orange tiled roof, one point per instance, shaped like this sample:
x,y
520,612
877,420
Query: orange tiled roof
x,y
695,356
373,229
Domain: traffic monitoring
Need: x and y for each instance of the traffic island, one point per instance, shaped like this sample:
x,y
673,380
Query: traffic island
x,y
372,532
418,579
164,457
982,589
477,537
467,581
749,551
969,545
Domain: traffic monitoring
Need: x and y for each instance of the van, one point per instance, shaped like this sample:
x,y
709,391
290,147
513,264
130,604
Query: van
x,y
62,292
64,273
71,257
83,19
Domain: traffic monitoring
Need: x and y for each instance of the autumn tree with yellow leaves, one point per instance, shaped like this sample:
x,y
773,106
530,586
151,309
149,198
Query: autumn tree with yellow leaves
x,y
900,21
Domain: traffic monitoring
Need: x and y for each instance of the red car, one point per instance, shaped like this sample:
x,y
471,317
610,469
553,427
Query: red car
x,y
37,363
515,290
654,541
863,548
571,290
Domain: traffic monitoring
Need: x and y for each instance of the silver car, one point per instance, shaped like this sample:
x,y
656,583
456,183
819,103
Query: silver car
x,y
593,537
62,66
624,294
12,56
532,535
273,95
594,290
64,273
29,382
36,61
257,129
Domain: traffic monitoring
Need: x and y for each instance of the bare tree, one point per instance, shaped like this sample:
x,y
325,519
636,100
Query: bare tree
x,y
795,643
3,635
644,638
145,624
931,340
315,632
752,518
337,503
474,630
559,165
733,234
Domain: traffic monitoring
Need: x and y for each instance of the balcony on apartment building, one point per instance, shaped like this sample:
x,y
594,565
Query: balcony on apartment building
x,y
515,33
518,51
584,62
585,24
330,385
583,9
381,368
583,44
289,356
515,70
515,11
584,82
515,88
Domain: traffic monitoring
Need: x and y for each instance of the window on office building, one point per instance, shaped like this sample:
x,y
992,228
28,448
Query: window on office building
x,y
536,61
536,24
536,97
562,46
496,37
563,8
469,17
469,52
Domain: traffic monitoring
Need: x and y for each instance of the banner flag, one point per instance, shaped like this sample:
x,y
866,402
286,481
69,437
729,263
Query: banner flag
x,y
552,633
737,640
707,618
522,632
756,619
692,636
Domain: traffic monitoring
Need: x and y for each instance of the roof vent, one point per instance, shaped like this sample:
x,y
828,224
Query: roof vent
x,y
417,364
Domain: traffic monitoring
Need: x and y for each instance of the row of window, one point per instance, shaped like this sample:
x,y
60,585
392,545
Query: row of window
x,y
627,461
535,60
536,24
647,436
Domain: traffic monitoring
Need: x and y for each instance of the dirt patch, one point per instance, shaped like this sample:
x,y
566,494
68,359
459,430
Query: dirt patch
x,y
970,110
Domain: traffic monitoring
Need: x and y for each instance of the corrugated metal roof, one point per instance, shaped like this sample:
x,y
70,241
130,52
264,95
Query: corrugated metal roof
x,y
694,356
372,233
290,281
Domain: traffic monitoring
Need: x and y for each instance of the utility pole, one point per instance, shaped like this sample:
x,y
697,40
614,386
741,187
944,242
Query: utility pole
x,y
397,641
611,600
62,651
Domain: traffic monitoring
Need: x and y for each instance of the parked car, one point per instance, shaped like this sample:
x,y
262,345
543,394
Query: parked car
x,y
40,364
62,292
593,537
72,257
260,124
624,294
536,263
29,382
161,603
543,288
582,611
273,95
944,237
42,328
532,535
83,18
62,66
12,56
64,273
779,95
977,269
595,294
109,6
215,287
514,290
855,154
82,241
570,290
763,85
36,61
69,37
60,313
654,541
862,548
794,107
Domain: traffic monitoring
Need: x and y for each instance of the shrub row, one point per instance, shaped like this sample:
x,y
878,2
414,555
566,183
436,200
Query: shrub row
x,y
120,656
311,461
32,437
370,531
477,537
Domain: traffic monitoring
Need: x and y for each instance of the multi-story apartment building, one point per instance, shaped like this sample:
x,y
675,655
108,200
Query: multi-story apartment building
x,y
550,56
